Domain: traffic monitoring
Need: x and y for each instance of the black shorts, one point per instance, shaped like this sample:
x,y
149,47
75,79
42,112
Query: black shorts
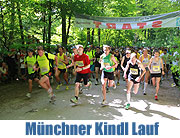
x,y
167,66
133,80
47,74
109,75
62,70
23,71
130,78
80,76
118,68
97,64
32,76
157,75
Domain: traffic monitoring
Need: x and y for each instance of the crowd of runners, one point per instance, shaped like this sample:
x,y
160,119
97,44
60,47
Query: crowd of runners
x,y
106,64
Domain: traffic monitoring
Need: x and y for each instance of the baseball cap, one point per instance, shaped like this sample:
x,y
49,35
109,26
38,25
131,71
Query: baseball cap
x,y
133,55
78,46
128,51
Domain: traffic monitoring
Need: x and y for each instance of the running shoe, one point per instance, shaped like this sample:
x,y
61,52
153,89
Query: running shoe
x,y
74,100
90,85
127,106
80,91
144,93
114,86
52,99
107,90
104,102
96,83
118,83
173,85
156,97
67,87
57,88
28,95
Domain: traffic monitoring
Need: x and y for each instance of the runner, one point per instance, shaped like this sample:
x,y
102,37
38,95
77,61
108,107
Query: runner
x,y
82,68
166,61
43,65
30,61
145,58
72,59
62,61
155,66
134,77
98,53
91,53
107,66
124,61
118,69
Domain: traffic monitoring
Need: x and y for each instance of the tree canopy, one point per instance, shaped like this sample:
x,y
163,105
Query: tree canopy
x,y
50,22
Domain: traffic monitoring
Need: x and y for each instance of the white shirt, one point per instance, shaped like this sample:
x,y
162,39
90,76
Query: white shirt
x,y
175,62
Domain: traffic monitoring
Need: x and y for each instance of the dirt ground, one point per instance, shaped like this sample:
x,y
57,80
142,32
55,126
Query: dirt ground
x,y
15,106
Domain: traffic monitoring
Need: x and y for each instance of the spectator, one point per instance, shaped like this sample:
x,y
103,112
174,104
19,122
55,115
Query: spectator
x,y
3,72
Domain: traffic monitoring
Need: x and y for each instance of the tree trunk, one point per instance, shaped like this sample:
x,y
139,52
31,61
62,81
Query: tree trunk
x,y
88,36
64,42
44,29
20,22
99,36
49,26
11,33
69,25
92,37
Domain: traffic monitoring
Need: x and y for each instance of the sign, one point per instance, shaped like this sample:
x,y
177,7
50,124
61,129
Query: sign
x,y
127,23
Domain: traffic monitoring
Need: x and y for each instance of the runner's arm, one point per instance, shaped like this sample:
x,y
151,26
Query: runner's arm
x,y
115,61
122,62
162,66
72,63
149,66
125,69
143,68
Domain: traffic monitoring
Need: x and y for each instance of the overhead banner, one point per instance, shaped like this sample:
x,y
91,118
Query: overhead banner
x,y
127,23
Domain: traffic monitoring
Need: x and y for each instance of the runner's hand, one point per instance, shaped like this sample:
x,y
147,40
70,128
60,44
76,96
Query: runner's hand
x,y
78,69
163,73
109,67
138,79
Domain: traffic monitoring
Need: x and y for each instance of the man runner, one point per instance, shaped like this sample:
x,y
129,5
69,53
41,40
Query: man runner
x,y
82,67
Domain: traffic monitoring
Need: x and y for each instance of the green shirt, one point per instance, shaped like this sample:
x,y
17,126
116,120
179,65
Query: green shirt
x,y
108,62
43,62
90,54
30,62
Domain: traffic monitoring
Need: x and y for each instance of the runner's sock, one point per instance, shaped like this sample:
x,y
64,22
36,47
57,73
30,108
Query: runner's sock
x,y
128,97
145,86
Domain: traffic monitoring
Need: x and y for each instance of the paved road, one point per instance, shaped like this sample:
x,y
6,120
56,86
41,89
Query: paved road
x,y
14,104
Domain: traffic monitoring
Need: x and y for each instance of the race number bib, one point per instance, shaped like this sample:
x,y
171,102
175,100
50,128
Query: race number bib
x,y
145,62
134,71
30,66
156,68
44,69
106,64
80,63
60,63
